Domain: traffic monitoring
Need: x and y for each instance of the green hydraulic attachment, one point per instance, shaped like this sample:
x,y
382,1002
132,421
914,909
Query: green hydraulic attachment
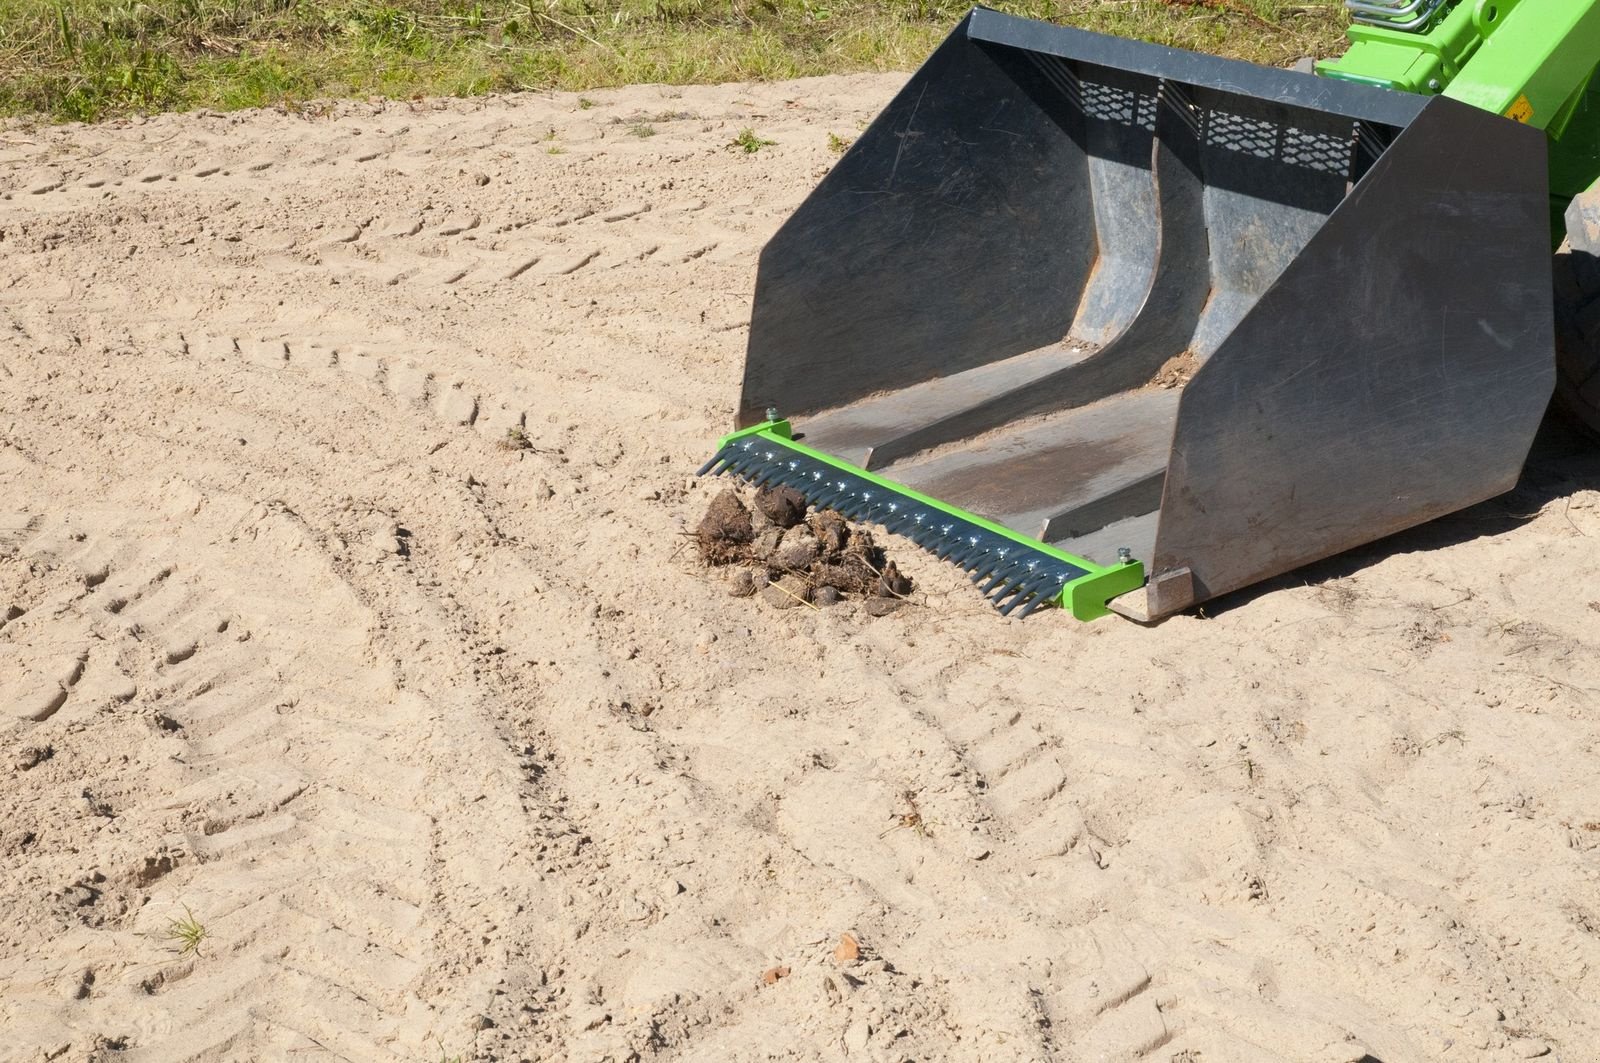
x,y
1530,60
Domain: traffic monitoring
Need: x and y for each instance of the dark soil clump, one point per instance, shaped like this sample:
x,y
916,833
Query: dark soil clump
x,y
783,506
795,557
726,530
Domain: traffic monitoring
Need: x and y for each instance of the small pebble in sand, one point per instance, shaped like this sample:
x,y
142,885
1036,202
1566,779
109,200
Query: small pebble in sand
x,y
788,592
31,756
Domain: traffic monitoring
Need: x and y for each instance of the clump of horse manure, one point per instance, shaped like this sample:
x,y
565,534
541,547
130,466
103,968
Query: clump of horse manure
x,y
725,532
791,557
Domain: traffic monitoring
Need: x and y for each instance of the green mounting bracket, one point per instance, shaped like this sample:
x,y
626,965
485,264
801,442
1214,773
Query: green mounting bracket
x,y
1532,61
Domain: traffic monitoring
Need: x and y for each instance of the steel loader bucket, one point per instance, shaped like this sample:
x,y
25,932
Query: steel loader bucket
x,y
1113,295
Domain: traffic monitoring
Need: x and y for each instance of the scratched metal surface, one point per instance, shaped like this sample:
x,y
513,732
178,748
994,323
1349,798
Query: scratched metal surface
x,y
1045,221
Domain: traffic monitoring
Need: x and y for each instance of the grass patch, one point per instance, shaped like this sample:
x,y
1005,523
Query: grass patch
x,y
748,142
186,933
92,59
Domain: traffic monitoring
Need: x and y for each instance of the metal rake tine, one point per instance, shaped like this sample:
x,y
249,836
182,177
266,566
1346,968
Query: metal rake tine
x,y
1023,572
1006,567
910,529
1024,591
1013,591
1034,591
1038,599
1004,564
1015,579
996,576
970,554
743,464
956,542
1023,598
1006,585
830,496
974,547
887,514
980,568
716,459
1005,610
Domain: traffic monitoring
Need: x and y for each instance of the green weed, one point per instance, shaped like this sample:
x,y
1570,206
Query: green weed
x,y
749,143
187,933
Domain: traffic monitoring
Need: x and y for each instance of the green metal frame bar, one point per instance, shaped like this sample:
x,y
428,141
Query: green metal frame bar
x,y
1525,59
1085,597
1529,60
1536,56
1417,62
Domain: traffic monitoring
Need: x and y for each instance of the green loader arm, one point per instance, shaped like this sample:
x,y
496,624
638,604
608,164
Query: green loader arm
x,y
1530,60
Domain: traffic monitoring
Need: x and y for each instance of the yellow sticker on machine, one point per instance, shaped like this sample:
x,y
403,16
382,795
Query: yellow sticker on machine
x,y
1521,111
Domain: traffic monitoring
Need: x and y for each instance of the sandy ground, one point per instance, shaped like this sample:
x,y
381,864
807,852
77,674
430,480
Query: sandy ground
x,y
454,752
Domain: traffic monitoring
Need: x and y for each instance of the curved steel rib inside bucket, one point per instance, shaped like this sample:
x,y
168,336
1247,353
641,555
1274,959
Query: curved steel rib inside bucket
x,y
1113,295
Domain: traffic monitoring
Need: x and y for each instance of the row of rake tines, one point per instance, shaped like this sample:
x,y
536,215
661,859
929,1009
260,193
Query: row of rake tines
x,y
1014,574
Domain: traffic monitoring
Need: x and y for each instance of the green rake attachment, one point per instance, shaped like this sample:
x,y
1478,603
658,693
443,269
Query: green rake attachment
x,y
1016,573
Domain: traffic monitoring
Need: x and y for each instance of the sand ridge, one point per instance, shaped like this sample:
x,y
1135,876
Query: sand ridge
x,y
454,749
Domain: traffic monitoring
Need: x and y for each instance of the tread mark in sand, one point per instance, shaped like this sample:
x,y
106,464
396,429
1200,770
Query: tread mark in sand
x,y
264,801
456,402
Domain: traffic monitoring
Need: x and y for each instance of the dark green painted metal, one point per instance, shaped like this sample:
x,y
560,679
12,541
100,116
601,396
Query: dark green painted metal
x,y
1575,158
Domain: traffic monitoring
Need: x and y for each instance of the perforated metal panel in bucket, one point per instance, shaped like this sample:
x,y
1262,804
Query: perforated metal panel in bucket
x,y
1110,294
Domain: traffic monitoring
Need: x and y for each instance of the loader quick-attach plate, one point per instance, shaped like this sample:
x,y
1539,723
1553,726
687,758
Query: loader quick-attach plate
x,y
1017,574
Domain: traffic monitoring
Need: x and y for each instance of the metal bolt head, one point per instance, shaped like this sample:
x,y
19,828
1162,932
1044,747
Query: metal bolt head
x,y
1124,555
1434,84
772,413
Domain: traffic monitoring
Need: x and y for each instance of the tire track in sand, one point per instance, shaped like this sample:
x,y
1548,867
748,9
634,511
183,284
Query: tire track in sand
x,y
297,821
